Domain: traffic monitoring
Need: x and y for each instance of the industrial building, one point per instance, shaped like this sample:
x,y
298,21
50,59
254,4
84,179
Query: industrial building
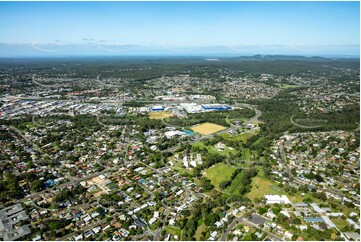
x,y
157,108
10,218
216,107
191,107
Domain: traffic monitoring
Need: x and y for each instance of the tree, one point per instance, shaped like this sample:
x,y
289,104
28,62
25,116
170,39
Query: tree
x,y
224,184
262,210
37,185
206,184
30,165
211,219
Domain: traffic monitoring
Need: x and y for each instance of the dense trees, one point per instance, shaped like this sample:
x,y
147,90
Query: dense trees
x,y
10,188
66,194
206,184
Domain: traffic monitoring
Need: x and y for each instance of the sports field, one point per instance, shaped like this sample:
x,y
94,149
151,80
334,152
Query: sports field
x,y
160,115
207,128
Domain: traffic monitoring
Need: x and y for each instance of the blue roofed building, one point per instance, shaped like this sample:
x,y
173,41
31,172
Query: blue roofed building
x,y
216,107
50,183
157,108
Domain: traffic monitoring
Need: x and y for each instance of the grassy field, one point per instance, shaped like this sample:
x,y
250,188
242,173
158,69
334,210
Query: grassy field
x,y
207,128
211,148
262,186
173,230
199,231
246,154
218,173
340,223
160,115
258,141
286,86
239,137
235,185
178,165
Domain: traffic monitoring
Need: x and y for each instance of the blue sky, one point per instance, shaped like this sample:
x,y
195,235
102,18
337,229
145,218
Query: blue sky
x,y
305,25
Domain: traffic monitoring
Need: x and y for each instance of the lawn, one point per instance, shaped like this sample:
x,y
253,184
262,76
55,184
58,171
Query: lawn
x,y
239,137
207,128
211,148
236,185
297,198
340,223
199,144
199,231
286,86
178,165
173,230
218,173
29,124
160,115
262,186
246,154
258,141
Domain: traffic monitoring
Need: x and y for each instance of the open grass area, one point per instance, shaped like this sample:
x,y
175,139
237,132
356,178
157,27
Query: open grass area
x,y
286,86
340,223
219,172
173,230
207,128
259,140
298,198
236,185
199,231
29,125
211,148
262,186
246,154
199,144
239,137
178,165
160,115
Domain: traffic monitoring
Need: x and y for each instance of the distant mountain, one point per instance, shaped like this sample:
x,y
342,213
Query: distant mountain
x,y
289,58
270,52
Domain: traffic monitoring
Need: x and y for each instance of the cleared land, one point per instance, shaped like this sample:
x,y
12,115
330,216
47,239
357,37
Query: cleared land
x,y
240,137
286,86
173,231
262,186
219,172
208,128
201,228
340,223
160,115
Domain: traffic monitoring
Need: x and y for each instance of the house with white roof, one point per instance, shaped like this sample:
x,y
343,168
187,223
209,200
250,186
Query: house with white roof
x,y
272,199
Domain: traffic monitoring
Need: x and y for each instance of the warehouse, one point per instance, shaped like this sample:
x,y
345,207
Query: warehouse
x,y
191,107
216,107
157,108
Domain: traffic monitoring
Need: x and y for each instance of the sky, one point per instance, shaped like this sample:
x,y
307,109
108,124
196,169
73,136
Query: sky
x,y
179,27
